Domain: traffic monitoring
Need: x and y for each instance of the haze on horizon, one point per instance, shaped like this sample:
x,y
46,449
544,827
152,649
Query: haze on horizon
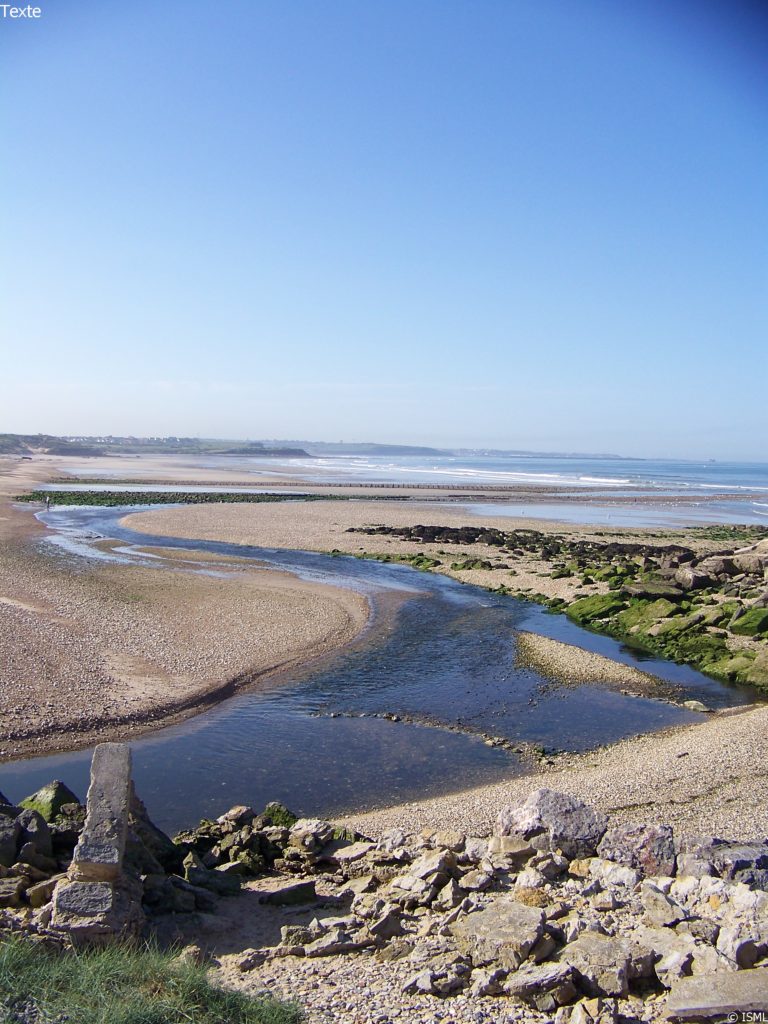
x,y
523,225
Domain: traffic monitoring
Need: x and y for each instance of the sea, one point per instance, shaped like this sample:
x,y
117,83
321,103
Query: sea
x,y
596,490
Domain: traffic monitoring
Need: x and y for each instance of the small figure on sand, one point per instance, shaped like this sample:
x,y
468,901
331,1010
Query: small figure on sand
x,y
47,503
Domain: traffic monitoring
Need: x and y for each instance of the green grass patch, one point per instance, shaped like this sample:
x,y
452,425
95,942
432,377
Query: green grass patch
x,y
124,985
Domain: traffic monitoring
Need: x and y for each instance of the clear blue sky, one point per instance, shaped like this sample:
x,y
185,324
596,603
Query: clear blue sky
x,y
526,223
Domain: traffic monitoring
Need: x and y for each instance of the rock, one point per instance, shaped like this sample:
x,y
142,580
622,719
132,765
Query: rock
x,y
717,565
448,839
197,874
696,705
155,841
336,941
449,896
602,964
34,829
555,821
610,873
673,952
691,578
488,982
290,895
716,996
743,862
476,881
4,801
28,855
10,831
652,591
342,853
588,1011
503,933
40,893
49,800
544,987
742,943
649,849
66,829
12,890
310,835
434,862
387,925
753,622
514,850
421,983
250,958
475,849
98,856
660,910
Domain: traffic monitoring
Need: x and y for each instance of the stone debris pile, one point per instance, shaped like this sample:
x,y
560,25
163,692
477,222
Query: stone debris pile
x,y
557,912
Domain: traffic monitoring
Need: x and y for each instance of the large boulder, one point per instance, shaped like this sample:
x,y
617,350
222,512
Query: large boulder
x,y
549,820
753,622
691,578
649,849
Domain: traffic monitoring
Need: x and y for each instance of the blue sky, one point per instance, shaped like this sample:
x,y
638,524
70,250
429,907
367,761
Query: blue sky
x,y
527,223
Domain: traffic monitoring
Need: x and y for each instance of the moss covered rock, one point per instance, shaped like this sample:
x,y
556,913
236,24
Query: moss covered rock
x,y
600,606
757,673
49,800
751,623
642,614
731,669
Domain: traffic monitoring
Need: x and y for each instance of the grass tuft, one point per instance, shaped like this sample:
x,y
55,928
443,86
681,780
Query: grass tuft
x,y
122,985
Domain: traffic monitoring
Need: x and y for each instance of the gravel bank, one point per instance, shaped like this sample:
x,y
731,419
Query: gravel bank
x,y
571,666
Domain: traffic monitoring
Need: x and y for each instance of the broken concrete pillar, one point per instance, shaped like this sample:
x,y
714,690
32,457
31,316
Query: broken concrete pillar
x,y
98,856
96,903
